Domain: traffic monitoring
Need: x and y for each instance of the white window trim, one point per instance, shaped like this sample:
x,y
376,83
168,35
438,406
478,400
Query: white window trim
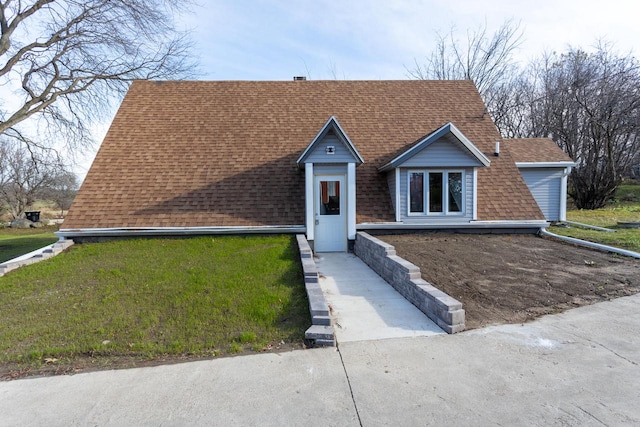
x,y
309,200
445,192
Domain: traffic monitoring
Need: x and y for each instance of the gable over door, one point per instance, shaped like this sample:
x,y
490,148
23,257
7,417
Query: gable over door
x,y
329,163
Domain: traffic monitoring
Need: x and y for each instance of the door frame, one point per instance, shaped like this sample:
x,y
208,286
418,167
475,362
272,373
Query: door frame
x,y
343,195
310,171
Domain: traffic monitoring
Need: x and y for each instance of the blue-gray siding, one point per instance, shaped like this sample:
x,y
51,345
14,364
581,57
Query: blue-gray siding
x,y
545,185
426,219
319,152
443,153
328,169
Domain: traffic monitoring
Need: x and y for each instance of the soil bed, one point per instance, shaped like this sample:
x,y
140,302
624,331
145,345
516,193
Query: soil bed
x,y
516,278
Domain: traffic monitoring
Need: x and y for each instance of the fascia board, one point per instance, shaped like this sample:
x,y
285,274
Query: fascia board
x,y
176,231
525,165
350,146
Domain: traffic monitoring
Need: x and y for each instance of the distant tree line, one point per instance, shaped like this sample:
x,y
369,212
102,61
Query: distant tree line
x,y
30,175
588,102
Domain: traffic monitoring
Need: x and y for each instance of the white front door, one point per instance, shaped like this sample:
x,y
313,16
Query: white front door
x,y
330,214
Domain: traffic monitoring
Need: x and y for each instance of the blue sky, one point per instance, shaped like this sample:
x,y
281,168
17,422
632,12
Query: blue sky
x,y
378,39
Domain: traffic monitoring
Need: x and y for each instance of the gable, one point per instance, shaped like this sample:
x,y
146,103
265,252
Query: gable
x,y
331,145
446,147
445,152
329,149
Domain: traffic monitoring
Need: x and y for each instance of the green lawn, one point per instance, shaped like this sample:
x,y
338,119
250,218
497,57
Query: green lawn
x,y
152,298
629,192
626,208
16,242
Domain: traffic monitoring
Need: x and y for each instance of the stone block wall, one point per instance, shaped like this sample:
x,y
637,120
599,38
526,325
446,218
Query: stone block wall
x,y
321,332
405,277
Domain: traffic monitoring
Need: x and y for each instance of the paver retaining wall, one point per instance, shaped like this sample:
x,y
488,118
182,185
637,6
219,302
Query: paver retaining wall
x,y
321,331
405,277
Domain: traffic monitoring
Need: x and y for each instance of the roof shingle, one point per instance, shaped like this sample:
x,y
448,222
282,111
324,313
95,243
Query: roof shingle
x,y
195,153
536,150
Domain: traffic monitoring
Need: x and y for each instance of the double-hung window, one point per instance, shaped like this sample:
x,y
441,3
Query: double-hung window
x,y
436,192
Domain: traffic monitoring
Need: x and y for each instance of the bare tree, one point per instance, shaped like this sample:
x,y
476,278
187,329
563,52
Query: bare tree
x,y
25,175
486,59
589,103
511,106
64,61
62,189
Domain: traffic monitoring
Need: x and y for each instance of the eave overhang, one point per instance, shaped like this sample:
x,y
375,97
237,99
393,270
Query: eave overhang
x,y
545,164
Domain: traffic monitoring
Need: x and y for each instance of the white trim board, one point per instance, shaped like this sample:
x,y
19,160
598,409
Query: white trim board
x,y
545,164
176,231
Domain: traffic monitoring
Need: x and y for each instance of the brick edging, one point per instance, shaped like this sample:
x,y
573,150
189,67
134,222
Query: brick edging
x,y
52,251
321,332
405,277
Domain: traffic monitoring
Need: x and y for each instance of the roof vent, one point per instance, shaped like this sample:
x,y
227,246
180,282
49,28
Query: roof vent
x,y
299,78
497,152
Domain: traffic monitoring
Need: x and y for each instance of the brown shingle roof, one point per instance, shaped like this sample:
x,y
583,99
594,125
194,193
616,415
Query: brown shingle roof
x,y
224,153
539,150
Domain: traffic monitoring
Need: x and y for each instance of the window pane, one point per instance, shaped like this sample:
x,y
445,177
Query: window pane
x,y
435,192
329,197
416,192
455,191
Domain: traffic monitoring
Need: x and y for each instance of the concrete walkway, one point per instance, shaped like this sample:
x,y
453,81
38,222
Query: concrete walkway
x,y
363,305
578,368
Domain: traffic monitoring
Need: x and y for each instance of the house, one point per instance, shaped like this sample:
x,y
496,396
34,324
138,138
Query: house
x,y
325,158
545,168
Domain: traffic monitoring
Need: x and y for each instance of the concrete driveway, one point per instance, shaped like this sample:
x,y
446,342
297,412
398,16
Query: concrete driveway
x,y
580,367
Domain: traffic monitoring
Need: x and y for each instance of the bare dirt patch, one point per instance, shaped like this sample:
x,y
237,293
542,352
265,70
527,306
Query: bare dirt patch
x,y
516,278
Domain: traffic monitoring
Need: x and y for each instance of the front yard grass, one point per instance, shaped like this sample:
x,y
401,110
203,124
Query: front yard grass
x,y
626,208
128,302
16,242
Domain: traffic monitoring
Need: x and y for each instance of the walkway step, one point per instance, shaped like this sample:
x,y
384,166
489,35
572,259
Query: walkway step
x,y
319,332
322,320
321,336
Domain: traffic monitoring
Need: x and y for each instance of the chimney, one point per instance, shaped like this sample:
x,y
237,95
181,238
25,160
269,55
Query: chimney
x,y
299,78
497,152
